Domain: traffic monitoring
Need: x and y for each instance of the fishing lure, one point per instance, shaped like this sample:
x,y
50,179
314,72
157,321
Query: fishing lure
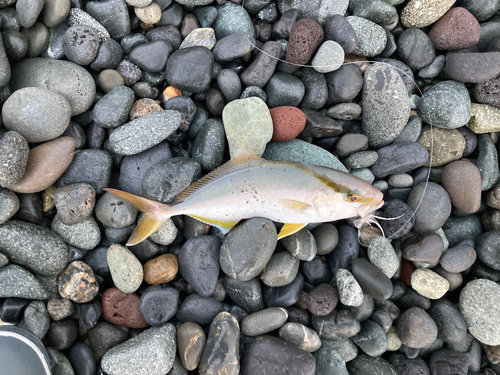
x,y
247,186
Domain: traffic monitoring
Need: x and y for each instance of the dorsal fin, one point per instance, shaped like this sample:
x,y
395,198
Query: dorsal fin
x,y
242,160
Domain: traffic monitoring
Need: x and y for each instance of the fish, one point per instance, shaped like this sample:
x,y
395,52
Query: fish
x,y
248,186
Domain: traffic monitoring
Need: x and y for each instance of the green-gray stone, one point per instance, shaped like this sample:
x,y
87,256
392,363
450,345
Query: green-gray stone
x,y
376,11
36,319
232,18
328,361
299,151
209,145
487,161
281,269
248,125
59,364
365,174
254,91
447,105
370,37
264,321
462,228
205,15
361,159
15,281
246,294
284,89
126,270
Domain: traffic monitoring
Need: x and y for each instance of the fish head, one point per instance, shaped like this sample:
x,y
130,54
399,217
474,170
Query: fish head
x,y
345,196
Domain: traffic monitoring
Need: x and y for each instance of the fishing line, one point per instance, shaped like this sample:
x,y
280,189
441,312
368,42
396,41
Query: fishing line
x,y
422,97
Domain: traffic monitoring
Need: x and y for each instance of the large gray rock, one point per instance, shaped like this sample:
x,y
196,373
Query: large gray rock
x,y
63,77
15,281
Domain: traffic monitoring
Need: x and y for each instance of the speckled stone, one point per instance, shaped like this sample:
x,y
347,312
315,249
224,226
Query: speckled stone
x,y
382,255
58,309
484,119
448,145
145,132
371,38
232,18
319,11
14,151
85,235
248,125
9,204
152,352
15,281
350,293
418,14
429,284
77,282
204,37
126,270
78,16
34,247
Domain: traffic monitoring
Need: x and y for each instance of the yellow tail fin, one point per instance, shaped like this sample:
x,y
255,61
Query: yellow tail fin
x,y
155,214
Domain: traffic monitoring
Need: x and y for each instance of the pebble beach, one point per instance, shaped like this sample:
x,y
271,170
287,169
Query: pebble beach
x,y
149,96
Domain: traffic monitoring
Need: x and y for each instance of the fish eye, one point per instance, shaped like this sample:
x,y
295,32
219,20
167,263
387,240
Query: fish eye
x,y
352,197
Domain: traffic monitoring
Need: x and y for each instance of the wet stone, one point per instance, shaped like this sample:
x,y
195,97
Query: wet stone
x,y
36,319
346,250
108,56
85,235
284,296
262,68
284,89
337,325
273,353
361,159
247,294
434,209
326,237
301,336
371,279
62,334
345,348
77,282
74,202
158,304
258,237
281,269
230,84
416,49
457,29
198,309
161,270
182,64
371,338
322,300
130,72
152,351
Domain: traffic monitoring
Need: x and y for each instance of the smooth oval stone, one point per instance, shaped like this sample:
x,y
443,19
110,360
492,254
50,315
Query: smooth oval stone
x,y
158,304
415,14
232,18
301,245
350,292
232,46
85,235
190,69
108,56
316,271
382,255
63,334
326,237
77,282
457,29
9,205
80,44
484,118
264,321
113,212
33,247
486,162
473,67
301,336
284,296
329,361
65,78
322,300
416,328
479,305
371,279
300,151
230,84
122,309
434,206
371,338
161,269
14,151
153,349
113,15
191,341
152,56
198,309
328,58
288,122
126,270
103,337
262,68
199,263
145,132
246,294
284,89
447,145
351,143
451,324
248,125
316,90
346,250
465,194
37,114
17,282
393,94
446,105
427,248
247,249
337,325
267,355
416,49
429,284
82,359
58,309
338,29
281,269
114,107
396,158
371,38
487,249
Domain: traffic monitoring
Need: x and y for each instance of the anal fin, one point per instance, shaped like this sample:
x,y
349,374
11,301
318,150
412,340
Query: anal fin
x,y
289,229
223,225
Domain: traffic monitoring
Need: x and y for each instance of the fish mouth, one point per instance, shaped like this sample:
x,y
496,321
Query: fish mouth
x,y
370,207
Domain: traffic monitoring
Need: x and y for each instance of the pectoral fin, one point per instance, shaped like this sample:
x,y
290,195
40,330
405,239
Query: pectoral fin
x,y
293,205
224,226
289,229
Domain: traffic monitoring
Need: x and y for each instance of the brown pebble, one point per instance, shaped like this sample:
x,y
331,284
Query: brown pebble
x,y
407,269
189,23
288,122
161,270
48,202
171,92
143,107
322,300
122,309
46,163
426,247
462,181
77,282
493,197
150,14
416,328
191,341
305,38
457,29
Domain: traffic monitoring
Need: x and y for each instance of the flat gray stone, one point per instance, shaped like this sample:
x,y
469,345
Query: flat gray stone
x,y
15,281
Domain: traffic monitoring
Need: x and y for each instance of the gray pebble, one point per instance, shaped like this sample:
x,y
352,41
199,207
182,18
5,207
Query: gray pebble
x,y
487,245
232,18
487,161
126,270
264,321
284,89
364,173
210,144
316,90
399,158
36,319
259,72
305,338
80,44
9,204
361,159
382,255
329,361
113,212
14,151
74,202
114,107
84,235
350,293
80,17
411,131
301,245
113,15
55,12
370,37
281,269
371,338
247,294
60,364
28,11
416,48
15,281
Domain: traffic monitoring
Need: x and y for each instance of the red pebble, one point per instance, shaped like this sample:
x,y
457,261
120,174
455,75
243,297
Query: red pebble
x,y
457,29
122,309
305,38
288,122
